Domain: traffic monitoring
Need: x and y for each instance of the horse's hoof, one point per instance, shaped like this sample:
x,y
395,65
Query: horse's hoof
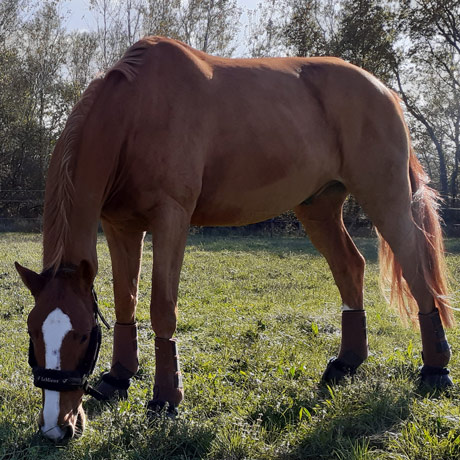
x,y
435,378
157,408
337,370
113,389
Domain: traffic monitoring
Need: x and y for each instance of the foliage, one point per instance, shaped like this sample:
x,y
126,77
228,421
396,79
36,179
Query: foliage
x,y
307,32
412,45
210,25
34,97
362,32
264,30
367,35
429,81
258,320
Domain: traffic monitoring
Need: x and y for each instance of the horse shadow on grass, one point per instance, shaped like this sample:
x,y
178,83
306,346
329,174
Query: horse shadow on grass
x,y
31,445
134,434
339,418
158,438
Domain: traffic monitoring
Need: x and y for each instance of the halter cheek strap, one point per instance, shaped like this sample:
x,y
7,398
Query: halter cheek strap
x,y
58,380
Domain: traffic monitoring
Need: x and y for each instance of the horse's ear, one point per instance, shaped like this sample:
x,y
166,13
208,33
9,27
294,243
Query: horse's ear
x,y
85,274
32,280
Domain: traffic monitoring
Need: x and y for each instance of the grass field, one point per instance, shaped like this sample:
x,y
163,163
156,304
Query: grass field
x,y
259,319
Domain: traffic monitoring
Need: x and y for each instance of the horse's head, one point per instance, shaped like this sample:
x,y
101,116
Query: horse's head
x,y
64,343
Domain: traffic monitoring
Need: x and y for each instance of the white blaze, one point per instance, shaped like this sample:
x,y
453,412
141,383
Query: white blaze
x,y
54,329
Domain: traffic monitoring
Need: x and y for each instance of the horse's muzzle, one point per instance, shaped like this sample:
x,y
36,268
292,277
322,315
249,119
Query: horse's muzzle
x,y
58,434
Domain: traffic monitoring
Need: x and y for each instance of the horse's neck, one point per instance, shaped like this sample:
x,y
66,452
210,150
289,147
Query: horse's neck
x,y
81,238
80,176
70,229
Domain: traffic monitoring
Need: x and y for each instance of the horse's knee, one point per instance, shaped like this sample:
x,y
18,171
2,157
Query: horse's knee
x,y
125,306
164,320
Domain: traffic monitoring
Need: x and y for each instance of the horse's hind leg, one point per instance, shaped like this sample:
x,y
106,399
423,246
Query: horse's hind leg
x,y
126,252
322,220
413,235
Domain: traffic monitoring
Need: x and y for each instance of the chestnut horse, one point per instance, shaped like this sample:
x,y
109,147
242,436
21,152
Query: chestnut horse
x,y
172,137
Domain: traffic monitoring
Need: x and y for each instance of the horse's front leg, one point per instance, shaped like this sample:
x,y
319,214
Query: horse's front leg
x,y
169,234
126,253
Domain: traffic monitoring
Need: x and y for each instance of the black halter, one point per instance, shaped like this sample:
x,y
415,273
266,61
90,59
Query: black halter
x,y
57,380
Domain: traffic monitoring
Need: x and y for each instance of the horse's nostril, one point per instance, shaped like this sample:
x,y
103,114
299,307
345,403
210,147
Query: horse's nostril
x,y
54,434
68,431
59,433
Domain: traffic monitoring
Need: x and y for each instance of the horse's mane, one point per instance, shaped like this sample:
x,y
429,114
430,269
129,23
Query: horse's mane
x,y
129,64
59,184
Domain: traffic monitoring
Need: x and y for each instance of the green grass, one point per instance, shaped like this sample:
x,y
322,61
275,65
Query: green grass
x,y
259,319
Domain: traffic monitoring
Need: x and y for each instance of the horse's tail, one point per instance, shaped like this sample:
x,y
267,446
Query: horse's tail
x,y
430,246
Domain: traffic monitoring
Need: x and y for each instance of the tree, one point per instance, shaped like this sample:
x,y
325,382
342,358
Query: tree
x,y
360,31
80,61
32,99
210,25
264,32
111,37
367,35
9,18
312,28
429,82
44,56
162,17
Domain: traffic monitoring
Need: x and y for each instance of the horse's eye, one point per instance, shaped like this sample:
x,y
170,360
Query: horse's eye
x,y
84,338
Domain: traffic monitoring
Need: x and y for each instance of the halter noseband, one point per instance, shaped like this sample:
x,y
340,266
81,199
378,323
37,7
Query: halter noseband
x,y
57,380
